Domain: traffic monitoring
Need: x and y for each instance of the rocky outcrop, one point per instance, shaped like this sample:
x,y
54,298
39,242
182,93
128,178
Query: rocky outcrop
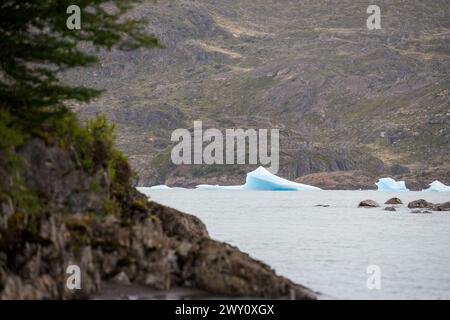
x,y
420,211
368,204
97,221
179,225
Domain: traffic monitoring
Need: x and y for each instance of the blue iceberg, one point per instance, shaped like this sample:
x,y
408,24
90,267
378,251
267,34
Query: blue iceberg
x,y
262,179
437,186
389,184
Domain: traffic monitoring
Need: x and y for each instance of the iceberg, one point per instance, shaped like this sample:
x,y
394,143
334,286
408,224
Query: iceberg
x,y
438,186
160,187
262,179
389,184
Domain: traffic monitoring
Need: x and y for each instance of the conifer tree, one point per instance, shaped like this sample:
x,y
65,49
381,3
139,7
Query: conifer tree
x,y
36,46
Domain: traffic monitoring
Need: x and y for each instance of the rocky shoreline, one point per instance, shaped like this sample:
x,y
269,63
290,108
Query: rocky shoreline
x,y
329,180
113,290
415,205
114,233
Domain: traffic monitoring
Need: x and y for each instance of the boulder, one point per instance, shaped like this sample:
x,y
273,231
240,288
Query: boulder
x,y
394,201
421,203
368,204
442,207
183,226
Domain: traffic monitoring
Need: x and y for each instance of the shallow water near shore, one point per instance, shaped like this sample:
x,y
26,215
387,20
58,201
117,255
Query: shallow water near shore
x,y
329,248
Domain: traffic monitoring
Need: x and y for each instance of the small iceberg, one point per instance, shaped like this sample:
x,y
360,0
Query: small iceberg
x,y
437,186
218,187
262,179
389,184
158,187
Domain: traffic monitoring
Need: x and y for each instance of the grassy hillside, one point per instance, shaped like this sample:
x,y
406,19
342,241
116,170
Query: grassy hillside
x,y
344,97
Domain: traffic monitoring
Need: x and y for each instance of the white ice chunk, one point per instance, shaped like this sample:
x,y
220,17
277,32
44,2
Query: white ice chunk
x,y
218,187
158,187
438,186
389,184
262,179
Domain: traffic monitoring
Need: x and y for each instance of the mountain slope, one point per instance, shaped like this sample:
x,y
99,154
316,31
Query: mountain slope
x,y
344,98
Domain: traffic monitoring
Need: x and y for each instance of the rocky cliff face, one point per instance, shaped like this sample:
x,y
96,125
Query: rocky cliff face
x,y
99,222
345,98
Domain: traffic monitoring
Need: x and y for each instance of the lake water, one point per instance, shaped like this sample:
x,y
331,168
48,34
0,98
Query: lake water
x,y
329,248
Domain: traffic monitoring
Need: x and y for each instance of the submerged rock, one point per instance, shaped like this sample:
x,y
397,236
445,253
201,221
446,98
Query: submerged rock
x,y
394,201
421,203
421,211
368,204
390,209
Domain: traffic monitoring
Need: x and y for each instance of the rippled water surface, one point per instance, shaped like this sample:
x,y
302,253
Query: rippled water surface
x,y
329,248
